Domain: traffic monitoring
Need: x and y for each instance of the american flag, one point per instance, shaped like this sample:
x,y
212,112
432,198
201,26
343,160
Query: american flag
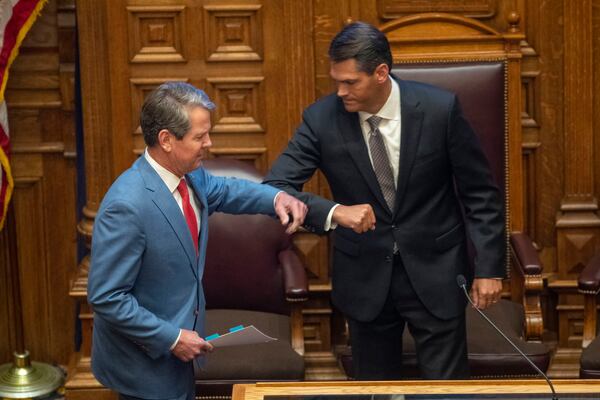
x,y
16,17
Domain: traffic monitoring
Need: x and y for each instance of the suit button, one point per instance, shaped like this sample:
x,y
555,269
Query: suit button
x,y
196,312
388,259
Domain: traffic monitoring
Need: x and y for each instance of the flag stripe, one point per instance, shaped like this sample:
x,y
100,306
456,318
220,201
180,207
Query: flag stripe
x,y
6,10
6,180
14,33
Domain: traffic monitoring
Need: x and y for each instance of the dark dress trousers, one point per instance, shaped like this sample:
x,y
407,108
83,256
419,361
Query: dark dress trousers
x,y
445,192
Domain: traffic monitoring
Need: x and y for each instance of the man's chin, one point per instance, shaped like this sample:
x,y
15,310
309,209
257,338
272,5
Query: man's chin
x,y
351,107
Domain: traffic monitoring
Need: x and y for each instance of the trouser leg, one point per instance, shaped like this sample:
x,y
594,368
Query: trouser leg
x,y
441,344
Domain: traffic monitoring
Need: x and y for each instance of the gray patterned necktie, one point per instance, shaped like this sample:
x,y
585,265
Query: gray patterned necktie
x,y
381,162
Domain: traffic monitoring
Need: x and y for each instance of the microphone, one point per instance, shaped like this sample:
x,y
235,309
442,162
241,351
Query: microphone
x,y
462,283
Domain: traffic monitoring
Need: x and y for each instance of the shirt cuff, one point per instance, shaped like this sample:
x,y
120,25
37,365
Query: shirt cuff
x,y
329,225
175,342
275,198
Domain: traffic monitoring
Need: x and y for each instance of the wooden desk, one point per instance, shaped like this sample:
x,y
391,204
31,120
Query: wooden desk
x,y
258,391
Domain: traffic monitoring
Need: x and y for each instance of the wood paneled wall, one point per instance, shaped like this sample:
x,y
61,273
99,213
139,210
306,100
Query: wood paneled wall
x,y
38,253
263,61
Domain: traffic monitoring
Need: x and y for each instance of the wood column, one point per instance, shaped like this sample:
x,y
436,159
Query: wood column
x,y
96,110
577,223
300,90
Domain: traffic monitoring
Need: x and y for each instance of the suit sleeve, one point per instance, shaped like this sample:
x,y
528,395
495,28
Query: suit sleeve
x,y
236,196
481,198
295,166
117,248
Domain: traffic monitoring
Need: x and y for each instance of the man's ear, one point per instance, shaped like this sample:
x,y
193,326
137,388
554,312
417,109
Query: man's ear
x,y
382,71
164,140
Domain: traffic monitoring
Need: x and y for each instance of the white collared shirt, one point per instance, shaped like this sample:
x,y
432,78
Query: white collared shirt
x,y
390,128
172,181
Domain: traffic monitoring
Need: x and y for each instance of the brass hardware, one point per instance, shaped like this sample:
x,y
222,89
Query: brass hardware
x,y
26,379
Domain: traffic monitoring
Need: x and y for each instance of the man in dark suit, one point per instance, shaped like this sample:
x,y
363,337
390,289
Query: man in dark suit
x,y
149,246
400,159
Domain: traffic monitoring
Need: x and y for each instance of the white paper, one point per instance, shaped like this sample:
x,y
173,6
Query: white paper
x,y
247,335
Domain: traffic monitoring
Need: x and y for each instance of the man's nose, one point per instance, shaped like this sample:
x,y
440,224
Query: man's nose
x,y
341,91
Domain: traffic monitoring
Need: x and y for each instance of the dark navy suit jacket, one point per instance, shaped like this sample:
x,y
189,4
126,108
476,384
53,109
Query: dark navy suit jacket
x,y
441,167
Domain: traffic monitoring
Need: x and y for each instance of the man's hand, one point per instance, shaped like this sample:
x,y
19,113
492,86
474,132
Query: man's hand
x,y
485,292
360,218
190,346
286,205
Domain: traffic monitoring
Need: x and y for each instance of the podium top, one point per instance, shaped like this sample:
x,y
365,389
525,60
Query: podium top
x,y
419,390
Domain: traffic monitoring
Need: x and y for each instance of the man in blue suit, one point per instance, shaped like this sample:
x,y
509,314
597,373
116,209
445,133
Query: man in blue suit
x,y
148,250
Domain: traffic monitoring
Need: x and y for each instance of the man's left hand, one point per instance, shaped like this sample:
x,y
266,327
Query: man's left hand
x,y
286,205
485,292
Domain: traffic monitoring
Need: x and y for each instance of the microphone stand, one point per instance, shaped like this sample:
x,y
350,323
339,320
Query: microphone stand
x,y
463,284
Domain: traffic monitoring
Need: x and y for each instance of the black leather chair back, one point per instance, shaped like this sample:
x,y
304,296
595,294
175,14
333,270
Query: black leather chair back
x,y
242,270
481,90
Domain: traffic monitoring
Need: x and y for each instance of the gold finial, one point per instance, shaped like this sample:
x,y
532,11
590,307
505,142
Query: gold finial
x,y
513,20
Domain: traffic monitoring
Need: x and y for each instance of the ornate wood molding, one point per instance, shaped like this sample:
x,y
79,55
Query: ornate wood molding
x,y
577,221
390,9
578,224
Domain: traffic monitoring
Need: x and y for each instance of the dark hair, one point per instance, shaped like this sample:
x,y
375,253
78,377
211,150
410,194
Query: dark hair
x,y
363,42
167,108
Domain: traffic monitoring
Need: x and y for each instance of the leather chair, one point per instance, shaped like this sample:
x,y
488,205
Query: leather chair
x,y
589,284
252,277
489,355
491,103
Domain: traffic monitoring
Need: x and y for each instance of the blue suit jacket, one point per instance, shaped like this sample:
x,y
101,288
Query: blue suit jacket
x,y
145,280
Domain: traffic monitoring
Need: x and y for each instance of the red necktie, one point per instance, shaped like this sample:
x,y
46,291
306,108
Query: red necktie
x,y
188,212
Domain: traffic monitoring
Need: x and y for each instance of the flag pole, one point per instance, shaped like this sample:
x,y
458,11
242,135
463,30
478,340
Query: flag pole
x,y
23,378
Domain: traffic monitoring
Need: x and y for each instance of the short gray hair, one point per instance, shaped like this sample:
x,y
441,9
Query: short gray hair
x,y
167,108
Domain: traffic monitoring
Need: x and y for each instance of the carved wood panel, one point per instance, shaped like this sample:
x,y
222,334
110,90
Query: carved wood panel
x,y
233,32
156,33
241,103
542,70
576,246
389,9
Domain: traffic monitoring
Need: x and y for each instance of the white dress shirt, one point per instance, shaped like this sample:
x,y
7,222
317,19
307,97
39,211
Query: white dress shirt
x,y
172,181
390,132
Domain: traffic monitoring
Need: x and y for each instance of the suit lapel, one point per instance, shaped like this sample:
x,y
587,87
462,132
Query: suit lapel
x,y
168,206
411,123
357,148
